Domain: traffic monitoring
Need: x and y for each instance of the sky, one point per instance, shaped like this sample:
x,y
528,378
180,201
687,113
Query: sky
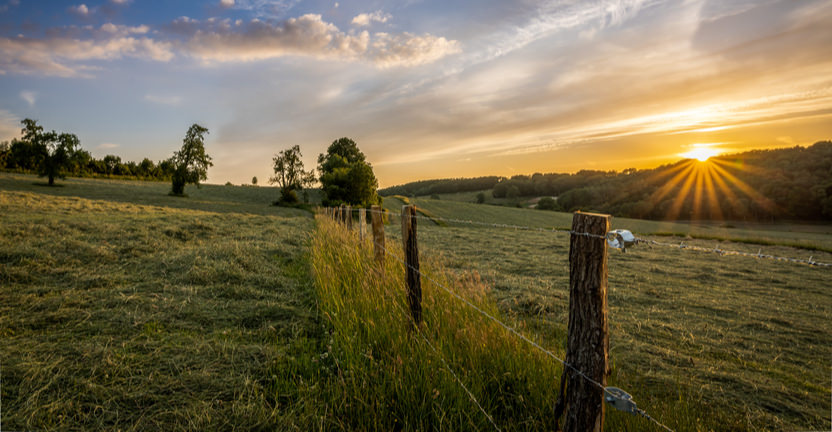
x,y
427,89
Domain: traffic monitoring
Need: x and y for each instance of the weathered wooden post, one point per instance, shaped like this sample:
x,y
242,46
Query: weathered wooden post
x,y
587,348
411,257
362,225
342,214
378,235
348,215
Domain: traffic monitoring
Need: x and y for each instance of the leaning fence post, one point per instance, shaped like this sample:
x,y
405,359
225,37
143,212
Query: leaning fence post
x,y
411,254
362,226
378,235
587,348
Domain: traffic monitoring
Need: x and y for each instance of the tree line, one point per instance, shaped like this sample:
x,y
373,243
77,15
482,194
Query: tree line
x,y
55,155
761,185
344,173
22,155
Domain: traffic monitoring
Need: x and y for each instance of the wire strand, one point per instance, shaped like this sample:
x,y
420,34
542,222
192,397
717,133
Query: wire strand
x,y
518,334
721,252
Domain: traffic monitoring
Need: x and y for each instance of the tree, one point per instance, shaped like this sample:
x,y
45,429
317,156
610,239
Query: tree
x,y
345,175
254,180
111,163
480,198
289,174
191,162
51,150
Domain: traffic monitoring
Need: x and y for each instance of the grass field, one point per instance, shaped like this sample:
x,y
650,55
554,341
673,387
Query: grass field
x,y
116,314
737,334
122,308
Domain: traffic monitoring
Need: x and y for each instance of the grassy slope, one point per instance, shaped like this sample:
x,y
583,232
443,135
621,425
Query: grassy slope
x,y
741,335
810,237
121,307
115,314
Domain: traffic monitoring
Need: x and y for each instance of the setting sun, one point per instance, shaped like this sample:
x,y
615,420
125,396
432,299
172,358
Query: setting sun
x,y
701,154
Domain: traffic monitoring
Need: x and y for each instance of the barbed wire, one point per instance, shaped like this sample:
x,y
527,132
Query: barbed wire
x,y
523,337
681,246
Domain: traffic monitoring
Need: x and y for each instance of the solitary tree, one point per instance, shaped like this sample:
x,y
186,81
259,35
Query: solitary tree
x,y
289,174
191,162
51,151
345,175
254,180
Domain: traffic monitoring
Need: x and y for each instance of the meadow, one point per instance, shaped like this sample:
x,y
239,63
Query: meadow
x,y
735,334
124,308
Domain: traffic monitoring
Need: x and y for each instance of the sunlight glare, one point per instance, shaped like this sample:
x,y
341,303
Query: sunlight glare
x,y
701,153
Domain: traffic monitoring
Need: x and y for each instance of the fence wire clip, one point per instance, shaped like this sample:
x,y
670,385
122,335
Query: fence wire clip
x,y
620,400
620,239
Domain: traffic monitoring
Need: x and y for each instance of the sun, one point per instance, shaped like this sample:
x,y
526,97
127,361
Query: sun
x,y
700,153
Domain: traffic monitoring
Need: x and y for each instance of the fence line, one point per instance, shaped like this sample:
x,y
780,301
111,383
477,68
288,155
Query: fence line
x,y
607,390
638,240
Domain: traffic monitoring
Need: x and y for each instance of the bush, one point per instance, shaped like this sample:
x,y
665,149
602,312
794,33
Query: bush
x,y
547,203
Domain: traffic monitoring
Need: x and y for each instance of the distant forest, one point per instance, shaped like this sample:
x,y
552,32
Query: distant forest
x,y
760,185
18,155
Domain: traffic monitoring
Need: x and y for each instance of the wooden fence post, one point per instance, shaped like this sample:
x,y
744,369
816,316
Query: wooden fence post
x,y
411,257
362,223
342,214
378,235
348,216
588,339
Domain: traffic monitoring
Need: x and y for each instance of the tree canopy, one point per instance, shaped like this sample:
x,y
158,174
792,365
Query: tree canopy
x,y
191,162
49,152
345,175
289,174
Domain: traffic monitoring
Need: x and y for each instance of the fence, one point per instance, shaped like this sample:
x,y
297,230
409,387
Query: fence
x,y
583,384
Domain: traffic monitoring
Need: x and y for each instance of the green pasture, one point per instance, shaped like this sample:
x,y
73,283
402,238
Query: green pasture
x,y
122,308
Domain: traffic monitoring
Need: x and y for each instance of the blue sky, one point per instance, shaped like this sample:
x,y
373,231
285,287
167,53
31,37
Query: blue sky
x,y
426,88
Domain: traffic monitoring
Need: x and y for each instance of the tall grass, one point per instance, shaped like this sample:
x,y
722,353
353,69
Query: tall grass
x,y
391,379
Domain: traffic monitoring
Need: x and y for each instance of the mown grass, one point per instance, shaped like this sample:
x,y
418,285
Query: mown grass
x,y
741,339
123,308
809,237
207,197
116,315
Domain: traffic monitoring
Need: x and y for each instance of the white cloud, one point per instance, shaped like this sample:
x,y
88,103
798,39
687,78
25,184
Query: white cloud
x,y
61,56
227,3
163,99
310,36
80,9
406,49
29,96
123,30
120,2
106,146
365,19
